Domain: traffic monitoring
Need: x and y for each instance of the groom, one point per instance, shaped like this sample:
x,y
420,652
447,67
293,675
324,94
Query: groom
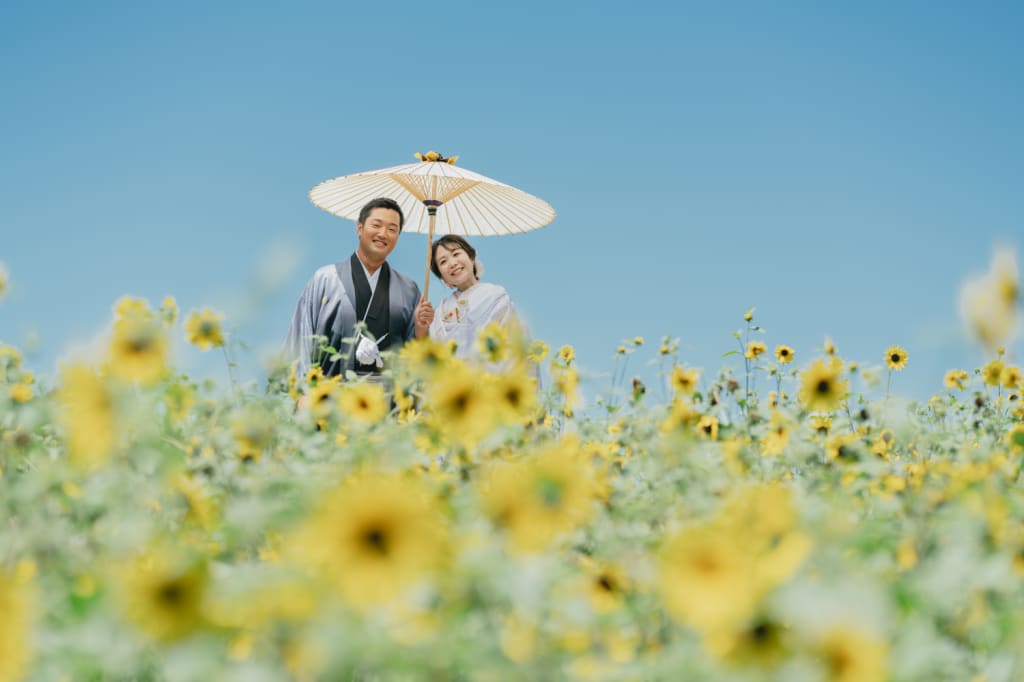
x,y
362,288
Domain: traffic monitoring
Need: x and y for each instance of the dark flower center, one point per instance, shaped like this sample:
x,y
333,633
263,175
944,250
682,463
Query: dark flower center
x,y
824,387
171,594
376,540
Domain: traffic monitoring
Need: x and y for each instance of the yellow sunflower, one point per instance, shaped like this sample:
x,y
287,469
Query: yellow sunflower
x,y
754,350
163,592
706,579
169,311
684,381
374,537
992,372
853,655
461,407
203,329
541,497
363,402
566,354
86,412
956,379
515,395
895,358
16,608
1010,377
784,354
821,387
138,350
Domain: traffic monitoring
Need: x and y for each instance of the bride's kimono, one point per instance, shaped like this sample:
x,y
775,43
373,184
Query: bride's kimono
x,y
461,316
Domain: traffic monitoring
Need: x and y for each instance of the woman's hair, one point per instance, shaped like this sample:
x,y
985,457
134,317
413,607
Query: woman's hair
x,y
450,242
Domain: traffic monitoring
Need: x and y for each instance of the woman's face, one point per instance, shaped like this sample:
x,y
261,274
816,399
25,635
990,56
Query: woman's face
x,y
455,266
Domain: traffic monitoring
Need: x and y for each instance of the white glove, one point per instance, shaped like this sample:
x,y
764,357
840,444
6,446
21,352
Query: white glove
x,y
367,352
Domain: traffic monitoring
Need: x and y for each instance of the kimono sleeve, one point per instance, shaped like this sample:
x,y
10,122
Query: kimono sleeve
x,y
300,342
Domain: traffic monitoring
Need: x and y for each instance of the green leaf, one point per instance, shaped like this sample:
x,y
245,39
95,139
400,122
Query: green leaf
x,y
732,352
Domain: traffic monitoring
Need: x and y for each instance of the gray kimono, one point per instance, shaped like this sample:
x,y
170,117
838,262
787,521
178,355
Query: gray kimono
x,y
327,308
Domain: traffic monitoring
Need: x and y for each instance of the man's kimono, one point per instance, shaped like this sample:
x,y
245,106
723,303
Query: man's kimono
x,y
327,308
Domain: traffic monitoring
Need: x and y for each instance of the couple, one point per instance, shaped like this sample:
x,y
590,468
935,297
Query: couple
x,y
365,289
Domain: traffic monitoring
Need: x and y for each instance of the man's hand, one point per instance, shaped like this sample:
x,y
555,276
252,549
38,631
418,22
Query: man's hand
x,y
424,315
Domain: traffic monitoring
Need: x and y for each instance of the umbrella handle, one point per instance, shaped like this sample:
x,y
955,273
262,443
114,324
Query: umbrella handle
x,y
432,212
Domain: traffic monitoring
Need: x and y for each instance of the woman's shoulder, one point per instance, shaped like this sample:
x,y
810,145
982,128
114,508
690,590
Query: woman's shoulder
x,y
491,289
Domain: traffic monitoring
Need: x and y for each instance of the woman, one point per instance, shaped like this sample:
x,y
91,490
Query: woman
x,y
473,304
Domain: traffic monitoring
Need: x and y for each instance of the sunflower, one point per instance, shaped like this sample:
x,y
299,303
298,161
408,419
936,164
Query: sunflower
x,y
515,395
853,655
131,306
708,426
1015,438
138,350
541,497
706,579
895,358
784,354
253,431
203,329
606,586
322,397
821,388
775,441
992,372
373,537
426,357
754,350
566,354
567,381
956,379
86,412
492,342
363,402
461,407
163,592
1010,377
684,381
537,351
15,610
21,393
313,375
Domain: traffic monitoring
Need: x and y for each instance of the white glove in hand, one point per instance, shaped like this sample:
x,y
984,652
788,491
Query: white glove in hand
x,y
367,352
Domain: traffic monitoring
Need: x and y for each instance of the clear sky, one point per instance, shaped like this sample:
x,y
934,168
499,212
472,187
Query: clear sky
x,y
842,167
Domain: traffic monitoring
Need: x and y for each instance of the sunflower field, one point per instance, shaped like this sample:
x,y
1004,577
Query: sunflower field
x,y
482,521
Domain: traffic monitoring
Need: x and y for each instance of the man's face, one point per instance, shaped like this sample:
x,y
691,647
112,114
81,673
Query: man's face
x,y
378,235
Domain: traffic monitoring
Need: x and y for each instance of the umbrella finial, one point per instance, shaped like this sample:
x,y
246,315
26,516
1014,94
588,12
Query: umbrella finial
x,y
433,156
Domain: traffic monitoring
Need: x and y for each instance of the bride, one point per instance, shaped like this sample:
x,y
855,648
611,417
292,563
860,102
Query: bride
x,y
473,304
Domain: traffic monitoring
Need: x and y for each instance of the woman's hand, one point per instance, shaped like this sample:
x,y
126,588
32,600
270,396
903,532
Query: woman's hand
x,y
423,315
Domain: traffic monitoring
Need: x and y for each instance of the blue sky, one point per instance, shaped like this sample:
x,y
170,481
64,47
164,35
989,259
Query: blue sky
x,y
841,168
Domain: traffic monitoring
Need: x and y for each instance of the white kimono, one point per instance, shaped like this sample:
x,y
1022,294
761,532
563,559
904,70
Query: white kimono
x,y
461,316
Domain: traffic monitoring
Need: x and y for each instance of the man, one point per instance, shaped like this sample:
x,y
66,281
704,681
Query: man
x,y
362,288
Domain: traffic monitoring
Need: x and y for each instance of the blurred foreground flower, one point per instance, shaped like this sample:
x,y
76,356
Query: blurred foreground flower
x,y
988,303
374,537
203,329
4,281
87,415
164,592
821,388
138,350
15,610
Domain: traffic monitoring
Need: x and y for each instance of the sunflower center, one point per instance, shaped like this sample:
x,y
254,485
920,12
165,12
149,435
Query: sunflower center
x,y
460,402
606,584
550,493
707,564
376,540
824,387
895,357
512,397
171,594
207,329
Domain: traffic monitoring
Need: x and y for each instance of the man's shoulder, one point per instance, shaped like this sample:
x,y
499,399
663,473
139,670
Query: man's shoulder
x,y
325,273
403,280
